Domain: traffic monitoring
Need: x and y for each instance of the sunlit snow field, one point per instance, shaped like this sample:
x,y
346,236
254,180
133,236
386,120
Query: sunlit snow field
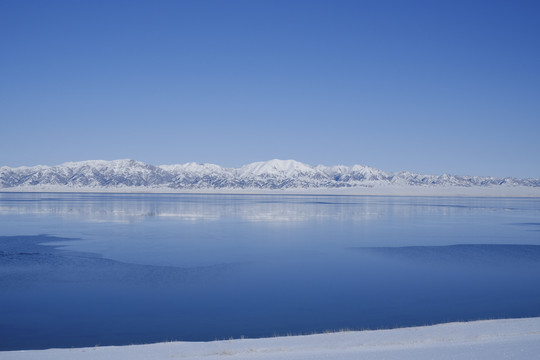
x,y
139,268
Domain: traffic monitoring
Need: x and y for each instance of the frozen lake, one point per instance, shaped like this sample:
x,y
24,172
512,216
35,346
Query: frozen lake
x,y
138,268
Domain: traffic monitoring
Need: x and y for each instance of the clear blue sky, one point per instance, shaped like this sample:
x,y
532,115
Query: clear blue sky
x,y
427,86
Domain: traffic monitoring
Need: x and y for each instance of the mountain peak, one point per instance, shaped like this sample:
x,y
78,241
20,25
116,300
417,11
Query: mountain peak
x,y
95,163
264,175
276,167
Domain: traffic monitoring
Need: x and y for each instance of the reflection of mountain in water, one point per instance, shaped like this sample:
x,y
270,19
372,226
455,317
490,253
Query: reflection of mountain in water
x,y
129,207
272,208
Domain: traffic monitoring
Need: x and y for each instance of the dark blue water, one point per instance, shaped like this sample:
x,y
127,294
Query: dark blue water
x,y
102,269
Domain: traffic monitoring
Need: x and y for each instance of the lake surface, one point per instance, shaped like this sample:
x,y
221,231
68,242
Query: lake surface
x,y
102,269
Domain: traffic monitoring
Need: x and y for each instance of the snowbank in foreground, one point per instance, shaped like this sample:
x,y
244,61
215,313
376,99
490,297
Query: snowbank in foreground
x,y
490,339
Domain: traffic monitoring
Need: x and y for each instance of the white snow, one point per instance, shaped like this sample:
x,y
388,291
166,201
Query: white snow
x,y
272,176
276,167
473,191
490,339
192,167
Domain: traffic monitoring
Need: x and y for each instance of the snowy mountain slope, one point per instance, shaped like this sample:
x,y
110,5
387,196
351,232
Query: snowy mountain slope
x,y
269,175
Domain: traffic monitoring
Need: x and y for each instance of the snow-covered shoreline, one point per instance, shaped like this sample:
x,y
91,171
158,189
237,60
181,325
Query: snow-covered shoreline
x,y
487,339
473,191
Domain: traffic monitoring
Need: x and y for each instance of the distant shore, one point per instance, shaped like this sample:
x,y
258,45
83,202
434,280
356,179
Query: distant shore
x,y
472,191
488,339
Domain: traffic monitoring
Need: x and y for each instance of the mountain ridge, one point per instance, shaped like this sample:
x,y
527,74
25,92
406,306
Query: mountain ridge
x,y
274,174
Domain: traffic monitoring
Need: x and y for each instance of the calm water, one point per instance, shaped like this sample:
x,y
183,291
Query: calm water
x,y
100,269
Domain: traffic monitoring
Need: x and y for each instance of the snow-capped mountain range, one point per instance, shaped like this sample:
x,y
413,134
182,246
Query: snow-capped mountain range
x,y
268,175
